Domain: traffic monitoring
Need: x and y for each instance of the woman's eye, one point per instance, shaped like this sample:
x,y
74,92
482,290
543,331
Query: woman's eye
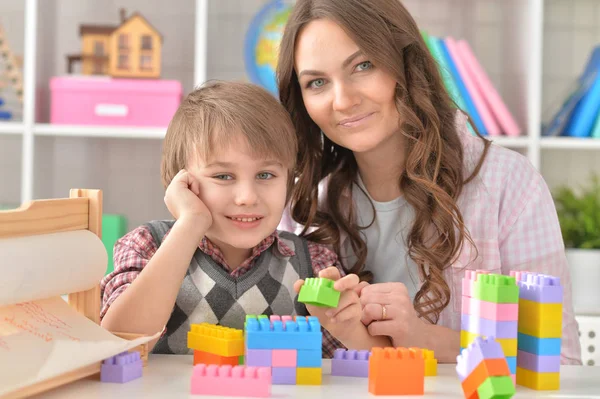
x,y
317,83
364,66
265,176
223,177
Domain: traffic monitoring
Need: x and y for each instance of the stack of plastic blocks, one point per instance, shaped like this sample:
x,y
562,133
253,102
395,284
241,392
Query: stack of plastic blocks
x,y
291,347
214,344
396,371
350,363
490,308
483,371
231,381
319,292
121,368
540,331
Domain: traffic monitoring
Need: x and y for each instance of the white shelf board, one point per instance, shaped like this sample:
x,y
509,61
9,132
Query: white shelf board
x,y
46,129
570,143
11,128
510,142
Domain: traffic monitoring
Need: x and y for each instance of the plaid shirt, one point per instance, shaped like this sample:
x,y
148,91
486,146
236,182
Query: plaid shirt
x,y
134,250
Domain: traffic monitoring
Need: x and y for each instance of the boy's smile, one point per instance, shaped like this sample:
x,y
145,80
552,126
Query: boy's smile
x,y
245,194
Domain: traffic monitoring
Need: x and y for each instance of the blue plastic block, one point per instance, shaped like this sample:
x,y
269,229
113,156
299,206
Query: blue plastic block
x,y
304,333
539,346
512,364
310,358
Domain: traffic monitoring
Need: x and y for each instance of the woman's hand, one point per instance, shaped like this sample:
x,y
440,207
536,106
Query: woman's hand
x,y
342,320
182,198
388,310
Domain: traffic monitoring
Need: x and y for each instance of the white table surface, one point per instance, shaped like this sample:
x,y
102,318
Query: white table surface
x,y
168,376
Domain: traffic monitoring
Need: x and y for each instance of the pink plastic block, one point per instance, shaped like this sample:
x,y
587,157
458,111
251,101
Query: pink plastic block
x,y
519,274
121,368
350,363
284,358
119,102
231,381
490,310
469,279
541,288
475,353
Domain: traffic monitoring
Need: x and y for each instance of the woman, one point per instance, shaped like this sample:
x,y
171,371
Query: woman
x,y
389,175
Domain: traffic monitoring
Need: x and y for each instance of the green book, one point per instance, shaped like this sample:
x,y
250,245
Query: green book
x,y
113,228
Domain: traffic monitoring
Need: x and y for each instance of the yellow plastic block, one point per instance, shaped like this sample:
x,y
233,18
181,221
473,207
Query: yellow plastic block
x,y
218,340
430,363
509,345
538,381
540,312
540,329
309,376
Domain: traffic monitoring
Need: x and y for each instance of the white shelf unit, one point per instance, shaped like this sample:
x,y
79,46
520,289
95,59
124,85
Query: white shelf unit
x,y
509,37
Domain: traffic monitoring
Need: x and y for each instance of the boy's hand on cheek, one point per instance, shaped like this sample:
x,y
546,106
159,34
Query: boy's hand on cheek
x,y
182,198
339,321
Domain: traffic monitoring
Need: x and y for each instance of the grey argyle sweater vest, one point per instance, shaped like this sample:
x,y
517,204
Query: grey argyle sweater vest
x,y
209,294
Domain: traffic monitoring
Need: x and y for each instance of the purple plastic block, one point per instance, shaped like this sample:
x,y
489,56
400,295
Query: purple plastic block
x,y
541,288
540,364
259,357
350,363
478,350
121,368
283,375
489,328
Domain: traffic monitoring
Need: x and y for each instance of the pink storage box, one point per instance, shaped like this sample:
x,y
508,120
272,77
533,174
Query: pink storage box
x,y
119,102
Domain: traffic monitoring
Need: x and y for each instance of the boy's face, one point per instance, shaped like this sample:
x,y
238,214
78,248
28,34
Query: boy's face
x,y
246,196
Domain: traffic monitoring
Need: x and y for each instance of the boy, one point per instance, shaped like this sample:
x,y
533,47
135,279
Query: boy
x,y
227,165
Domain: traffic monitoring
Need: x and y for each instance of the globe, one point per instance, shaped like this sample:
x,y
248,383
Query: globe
x,y
262,40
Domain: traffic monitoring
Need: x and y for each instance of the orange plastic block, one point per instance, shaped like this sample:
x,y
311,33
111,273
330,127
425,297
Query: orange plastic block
x,y
487,368
396,371
211,358
219,340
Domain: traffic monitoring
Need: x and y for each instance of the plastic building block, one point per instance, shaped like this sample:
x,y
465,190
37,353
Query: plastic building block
x,y
540,364
496,288
319,292
211,358
284,358
479,350
469,280
543,320
496,388
538,381
512,364
310,358
490,310
519,275
430,363
231,381
241,360
350,363
541,288
303,333
396,371
309,376
121,368
486,368
259,357
284,375
539,346
219,340
489,328
509,345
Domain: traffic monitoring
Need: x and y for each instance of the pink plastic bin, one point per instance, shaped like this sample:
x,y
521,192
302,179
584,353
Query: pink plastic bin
x,y
118,102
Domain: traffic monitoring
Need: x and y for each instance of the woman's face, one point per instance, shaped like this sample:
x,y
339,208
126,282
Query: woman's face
x,y
349,98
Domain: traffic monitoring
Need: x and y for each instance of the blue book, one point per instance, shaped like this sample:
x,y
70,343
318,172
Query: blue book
x,y
464,93
563,119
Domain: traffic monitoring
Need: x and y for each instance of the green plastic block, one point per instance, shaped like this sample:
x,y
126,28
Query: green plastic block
x,y
113,228
496,288
241,360
500,387
319,292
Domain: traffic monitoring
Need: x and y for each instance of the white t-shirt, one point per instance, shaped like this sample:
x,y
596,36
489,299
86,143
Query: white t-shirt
x,y
387,256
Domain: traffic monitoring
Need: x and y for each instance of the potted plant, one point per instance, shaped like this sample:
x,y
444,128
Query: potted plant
x,y
579,216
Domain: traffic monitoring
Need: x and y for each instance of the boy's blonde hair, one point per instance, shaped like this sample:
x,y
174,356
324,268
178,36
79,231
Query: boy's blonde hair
x,y
214,115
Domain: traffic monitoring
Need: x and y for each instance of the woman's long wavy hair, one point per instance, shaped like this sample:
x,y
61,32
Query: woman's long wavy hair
x,y
432,179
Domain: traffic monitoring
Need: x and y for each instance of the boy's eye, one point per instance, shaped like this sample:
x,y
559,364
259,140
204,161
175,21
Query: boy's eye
x,y
222,177
363,66
265,176
317,83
